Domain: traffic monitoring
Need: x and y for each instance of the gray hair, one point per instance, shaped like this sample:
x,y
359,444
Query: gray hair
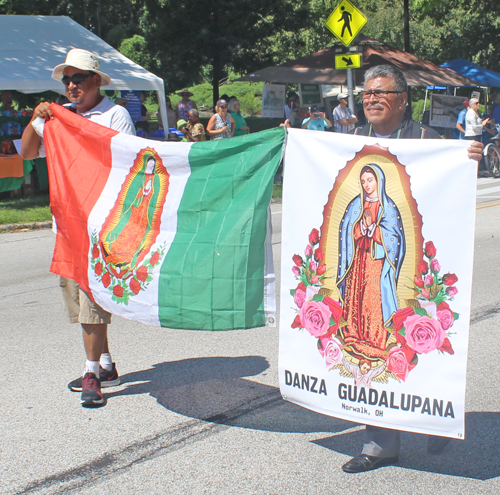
x,y
194,112
232,103
393,73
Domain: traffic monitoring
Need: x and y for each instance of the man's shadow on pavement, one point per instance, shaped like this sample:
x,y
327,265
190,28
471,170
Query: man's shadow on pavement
x,y
210,388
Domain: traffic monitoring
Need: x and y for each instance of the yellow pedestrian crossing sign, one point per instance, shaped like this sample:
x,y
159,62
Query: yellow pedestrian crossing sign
x,y
345,22
348,61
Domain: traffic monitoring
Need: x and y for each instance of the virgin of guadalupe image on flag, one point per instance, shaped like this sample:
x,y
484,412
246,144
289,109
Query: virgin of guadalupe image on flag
x,y
370,293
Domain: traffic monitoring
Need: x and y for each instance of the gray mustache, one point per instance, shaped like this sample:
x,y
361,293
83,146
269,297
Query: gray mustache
x,y
376,106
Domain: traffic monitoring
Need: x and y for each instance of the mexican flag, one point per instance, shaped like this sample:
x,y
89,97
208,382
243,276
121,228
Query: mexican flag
x,y
170,234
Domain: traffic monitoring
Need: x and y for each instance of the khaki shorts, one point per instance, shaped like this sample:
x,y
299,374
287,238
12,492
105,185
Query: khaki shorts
x,y
78,305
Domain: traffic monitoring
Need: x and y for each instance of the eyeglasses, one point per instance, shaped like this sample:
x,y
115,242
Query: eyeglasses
x,y
77,78
378,93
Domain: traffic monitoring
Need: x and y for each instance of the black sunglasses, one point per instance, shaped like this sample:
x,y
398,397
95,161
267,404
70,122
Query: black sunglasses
x,y
77,78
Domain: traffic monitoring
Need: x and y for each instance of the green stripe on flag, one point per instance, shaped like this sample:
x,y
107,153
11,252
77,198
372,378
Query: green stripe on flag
x,y
213,275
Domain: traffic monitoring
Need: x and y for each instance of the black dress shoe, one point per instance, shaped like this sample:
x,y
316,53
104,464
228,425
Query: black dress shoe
x,y
436,445
363,462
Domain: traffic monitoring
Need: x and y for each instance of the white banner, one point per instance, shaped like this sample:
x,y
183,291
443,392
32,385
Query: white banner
x,y
377,254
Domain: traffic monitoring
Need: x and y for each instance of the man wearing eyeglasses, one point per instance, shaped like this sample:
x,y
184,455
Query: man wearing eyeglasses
x,y
384,102
82,78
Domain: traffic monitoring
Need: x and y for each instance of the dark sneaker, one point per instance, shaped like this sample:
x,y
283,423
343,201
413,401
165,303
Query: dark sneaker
x,y
107,379
91,391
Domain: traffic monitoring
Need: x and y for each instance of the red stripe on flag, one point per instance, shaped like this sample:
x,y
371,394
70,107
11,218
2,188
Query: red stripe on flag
x,y
79,164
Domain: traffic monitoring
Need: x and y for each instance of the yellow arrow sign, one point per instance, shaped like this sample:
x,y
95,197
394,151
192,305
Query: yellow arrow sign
x,y
348,61
345,22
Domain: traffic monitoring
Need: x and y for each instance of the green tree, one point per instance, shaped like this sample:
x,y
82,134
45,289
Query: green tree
x,y
184,37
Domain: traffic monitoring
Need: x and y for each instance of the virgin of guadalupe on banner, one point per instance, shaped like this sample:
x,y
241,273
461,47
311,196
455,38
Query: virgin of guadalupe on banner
x,y
366,291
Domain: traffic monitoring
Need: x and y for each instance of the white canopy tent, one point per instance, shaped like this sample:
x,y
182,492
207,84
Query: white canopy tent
x,y
31,46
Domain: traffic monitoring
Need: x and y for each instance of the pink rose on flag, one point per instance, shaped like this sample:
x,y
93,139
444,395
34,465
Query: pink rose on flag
x,y
312,266
423,334
299,297
315,317
446,319
331,350
452,291
308,251
296,271
429,280
435,266
397,363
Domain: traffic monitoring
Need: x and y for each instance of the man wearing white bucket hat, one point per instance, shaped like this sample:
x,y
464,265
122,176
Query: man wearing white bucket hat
x,y
82,77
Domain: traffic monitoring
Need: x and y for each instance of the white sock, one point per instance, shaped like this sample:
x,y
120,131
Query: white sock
x,y
91,367
105,361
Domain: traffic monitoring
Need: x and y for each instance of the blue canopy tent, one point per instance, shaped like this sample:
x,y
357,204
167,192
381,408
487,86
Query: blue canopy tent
x,y
484,77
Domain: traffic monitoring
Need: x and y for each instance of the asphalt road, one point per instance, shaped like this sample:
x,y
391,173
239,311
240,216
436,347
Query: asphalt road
x,y
200,412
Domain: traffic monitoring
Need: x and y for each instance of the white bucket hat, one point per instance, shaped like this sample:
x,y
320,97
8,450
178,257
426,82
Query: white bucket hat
x,y
83,60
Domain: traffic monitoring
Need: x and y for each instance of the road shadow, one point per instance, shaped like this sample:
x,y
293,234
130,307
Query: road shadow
x,y
475,457
216,389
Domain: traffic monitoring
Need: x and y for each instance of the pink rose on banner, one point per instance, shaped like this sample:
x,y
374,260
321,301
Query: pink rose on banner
x,y
426,294
315,317
299,297
435,266
429,280
446,319
296,271
423,334
314,280
452,291
397,363
313,266
308,251
332,350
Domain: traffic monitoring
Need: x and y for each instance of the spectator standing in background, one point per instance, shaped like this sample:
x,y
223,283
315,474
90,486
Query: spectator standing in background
x,y
240,125
185,104
473,123
343,117
221,124
317,121
459,133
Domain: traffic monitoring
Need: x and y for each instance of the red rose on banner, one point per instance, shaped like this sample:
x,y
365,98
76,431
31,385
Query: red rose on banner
x,y
449,279
98,269
106,280
318,255
400,316
154,259
135,286
95,251
118,291
321,270
336,311
430,249
442,306
418,281
423,267
297,323
446,347
297,260
397,363
314,236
